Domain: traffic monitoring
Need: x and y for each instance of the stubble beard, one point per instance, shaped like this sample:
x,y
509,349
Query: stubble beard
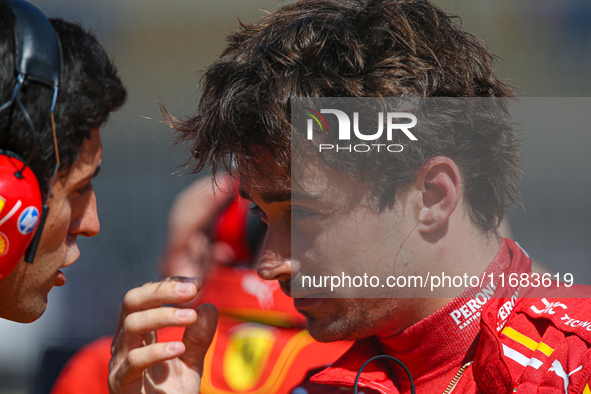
x,y
349,321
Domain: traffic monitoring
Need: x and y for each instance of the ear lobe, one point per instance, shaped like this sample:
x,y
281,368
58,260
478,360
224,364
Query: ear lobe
x,y
440,185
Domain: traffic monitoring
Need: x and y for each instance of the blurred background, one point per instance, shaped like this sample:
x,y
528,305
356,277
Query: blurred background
x,y
160,47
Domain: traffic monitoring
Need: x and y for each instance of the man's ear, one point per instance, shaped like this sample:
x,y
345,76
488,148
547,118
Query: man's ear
x,y
440,187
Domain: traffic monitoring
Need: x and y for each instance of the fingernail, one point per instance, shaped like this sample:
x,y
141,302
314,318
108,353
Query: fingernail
x,y
184,287
173,347
184,313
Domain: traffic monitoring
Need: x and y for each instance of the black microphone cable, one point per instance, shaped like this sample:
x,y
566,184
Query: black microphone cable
x,y
412,385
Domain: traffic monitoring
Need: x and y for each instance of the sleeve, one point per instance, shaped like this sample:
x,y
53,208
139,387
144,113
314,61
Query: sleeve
x,y
88,370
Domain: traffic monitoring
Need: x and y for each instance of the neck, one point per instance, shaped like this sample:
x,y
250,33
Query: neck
x,y
425,346
459,250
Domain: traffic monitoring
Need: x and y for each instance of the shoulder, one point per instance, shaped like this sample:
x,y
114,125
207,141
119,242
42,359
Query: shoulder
x,y
545,342
87,371
567,310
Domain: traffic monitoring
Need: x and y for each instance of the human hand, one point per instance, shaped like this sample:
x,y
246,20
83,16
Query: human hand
x,y
141,365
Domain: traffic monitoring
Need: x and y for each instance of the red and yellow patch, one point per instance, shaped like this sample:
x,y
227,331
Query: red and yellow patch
x,y
3,244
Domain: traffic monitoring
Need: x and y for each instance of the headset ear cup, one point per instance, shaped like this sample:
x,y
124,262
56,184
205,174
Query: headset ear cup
x,y
20,210
230,227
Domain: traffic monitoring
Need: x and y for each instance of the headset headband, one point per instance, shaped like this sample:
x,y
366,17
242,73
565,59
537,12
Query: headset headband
x,y
38,49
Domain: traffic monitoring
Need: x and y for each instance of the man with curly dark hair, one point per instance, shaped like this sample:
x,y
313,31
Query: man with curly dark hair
x,y
407,202
36,138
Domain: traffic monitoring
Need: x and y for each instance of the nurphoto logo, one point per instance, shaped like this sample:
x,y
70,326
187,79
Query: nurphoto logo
x,y
395,122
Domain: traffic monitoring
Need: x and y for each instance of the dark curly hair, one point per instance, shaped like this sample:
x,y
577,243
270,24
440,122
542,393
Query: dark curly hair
x,y
89,90
354,48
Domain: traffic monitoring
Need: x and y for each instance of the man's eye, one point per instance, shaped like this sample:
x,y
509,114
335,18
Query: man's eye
x,y
86,189
255,210
299,213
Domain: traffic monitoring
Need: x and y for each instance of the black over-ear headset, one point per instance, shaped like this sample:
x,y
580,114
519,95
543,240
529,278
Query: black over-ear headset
x,y
38,59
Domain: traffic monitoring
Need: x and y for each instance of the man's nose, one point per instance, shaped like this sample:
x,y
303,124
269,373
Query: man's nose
x,y
86,222
275,260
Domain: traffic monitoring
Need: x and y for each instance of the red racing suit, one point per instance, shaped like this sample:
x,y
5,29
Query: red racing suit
x,y
490,339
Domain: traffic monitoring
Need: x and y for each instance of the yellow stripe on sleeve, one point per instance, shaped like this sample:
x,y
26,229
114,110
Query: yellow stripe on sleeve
x,y
547,350
527,341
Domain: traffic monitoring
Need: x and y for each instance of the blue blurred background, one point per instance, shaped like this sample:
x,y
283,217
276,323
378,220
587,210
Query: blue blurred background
x,y
160,47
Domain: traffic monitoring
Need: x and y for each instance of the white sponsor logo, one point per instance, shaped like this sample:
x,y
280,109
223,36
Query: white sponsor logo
x,y
470,311
558,370
505,311
574,323
548,307
261,289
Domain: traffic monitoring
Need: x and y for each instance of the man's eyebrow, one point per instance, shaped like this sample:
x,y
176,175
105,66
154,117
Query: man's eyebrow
x,y
266,196
276,197
96,172
89,177
242,192
281,196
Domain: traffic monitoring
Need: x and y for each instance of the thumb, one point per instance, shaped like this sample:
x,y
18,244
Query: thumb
x,y
198,337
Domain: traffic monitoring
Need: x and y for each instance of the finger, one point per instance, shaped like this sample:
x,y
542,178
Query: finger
x,y
198,337
156,294
138,324
154,319
140,359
